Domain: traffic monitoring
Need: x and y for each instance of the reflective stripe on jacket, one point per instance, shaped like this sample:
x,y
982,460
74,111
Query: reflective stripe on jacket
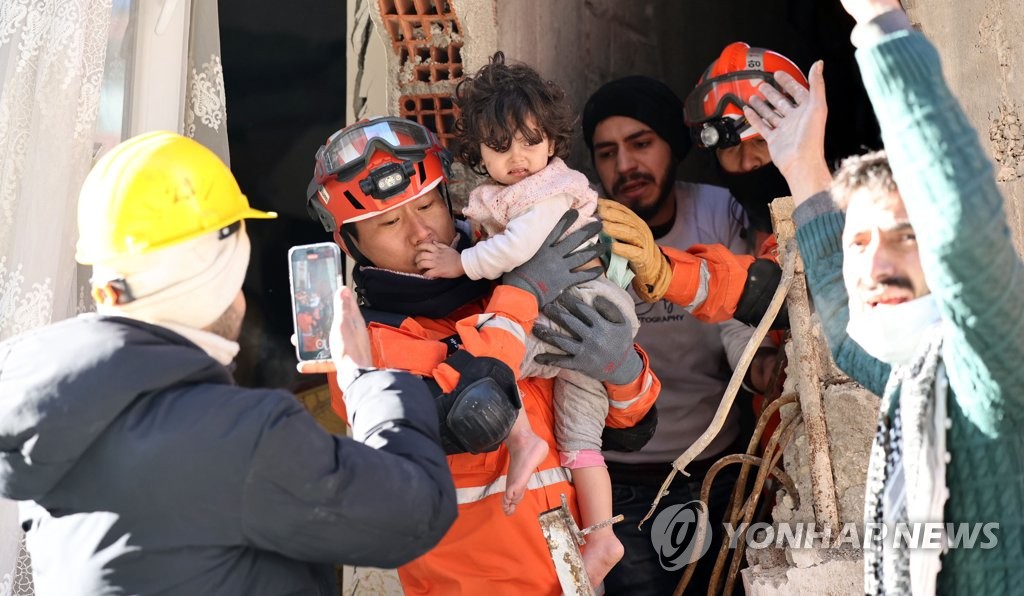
x,y
486,551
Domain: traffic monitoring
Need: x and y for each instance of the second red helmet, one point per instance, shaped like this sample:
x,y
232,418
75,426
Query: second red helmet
x,y
714,109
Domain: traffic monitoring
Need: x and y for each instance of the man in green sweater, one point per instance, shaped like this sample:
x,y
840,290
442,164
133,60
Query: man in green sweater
x,y
930,316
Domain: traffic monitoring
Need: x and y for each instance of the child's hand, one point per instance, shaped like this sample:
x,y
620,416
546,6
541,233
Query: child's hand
x,y
439,260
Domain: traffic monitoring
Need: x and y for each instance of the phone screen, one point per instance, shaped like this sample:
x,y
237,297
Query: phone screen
x,y
313,270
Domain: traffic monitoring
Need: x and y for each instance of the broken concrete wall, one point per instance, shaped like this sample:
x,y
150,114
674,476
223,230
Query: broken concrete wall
x,y
367,76
850,412
981,47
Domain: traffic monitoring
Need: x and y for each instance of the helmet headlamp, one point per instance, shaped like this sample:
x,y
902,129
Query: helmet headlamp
x,y
720,133
387,180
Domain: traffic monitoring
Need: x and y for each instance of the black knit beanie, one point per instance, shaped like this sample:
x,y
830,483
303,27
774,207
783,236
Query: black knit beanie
x,y
642,98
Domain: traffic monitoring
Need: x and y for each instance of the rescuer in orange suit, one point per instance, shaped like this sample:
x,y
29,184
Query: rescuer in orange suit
x,y
379,187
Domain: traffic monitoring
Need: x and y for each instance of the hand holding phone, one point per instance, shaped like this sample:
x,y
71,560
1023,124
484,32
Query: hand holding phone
x,y
313,270
350,340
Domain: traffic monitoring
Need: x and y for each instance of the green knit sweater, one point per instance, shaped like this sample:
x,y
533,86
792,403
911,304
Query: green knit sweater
x,y
970,264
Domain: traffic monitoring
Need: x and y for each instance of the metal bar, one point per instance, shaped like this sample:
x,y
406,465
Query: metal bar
x,y
561,532
808,382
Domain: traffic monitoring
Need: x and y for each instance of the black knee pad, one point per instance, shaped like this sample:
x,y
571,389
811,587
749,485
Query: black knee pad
x,y
479,413
763,279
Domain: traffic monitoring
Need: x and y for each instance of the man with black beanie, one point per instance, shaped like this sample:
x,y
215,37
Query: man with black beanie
x,y
635,130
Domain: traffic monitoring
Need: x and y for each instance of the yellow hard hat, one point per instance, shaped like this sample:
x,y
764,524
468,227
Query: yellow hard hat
x,y
153,191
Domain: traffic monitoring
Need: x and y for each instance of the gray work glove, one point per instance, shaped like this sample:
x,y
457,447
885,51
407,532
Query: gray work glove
x,y
599,343
550,269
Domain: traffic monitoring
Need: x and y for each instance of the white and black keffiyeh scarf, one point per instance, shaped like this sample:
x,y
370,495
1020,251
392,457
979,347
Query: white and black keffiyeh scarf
x,y
907,473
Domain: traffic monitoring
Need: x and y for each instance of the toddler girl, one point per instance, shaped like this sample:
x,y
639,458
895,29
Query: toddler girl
x,y
514,127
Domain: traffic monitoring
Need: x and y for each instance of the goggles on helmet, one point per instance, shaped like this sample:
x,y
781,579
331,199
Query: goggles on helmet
x,y
372,167
714,109
349,150
713,98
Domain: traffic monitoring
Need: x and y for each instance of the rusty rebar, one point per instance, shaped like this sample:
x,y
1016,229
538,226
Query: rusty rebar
x,y
773,452
706,492
724,406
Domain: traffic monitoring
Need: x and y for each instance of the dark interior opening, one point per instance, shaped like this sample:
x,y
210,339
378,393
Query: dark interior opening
x,y
284,74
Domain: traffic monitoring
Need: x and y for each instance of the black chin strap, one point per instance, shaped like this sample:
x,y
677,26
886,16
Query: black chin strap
x,y
447,199
345,233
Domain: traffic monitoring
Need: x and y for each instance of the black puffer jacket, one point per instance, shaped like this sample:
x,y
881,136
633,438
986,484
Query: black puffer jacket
x,y
144,469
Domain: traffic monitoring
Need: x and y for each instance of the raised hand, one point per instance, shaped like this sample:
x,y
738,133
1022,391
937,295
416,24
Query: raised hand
x,y
864,10
793,124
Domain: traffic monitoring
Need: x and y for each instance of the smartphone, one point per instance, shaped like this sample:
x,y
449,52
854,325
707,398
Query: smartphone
x,y
313,272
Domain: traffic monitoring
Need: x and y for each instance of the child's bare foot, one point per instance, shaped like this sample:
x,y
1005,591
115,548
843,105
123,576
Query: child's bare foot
x,y
526,451
601,552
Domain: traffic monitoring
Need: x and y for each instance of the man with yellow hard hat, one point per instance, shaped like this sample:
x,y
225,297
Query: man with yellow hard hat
x,y
141,467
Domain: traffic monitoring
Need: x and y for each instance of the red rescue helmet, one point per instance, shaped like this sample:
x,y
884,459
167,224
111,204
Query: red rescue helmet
x,y
714,109
371,167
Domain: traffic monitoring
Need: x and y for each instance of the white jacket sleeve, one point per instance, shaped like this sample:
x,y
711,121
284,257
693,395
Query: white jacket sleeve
x,y
735,336
503,252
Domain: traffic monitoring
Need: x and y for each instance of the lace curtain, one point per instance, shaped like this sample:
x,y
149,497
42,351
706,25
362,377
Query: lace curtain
x,y
52,59
205,103
51,69
15,568
51,64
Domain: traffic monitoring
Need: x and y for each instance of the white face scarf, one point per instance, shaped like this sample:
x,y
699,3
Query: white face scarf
x,y
893,333
190,283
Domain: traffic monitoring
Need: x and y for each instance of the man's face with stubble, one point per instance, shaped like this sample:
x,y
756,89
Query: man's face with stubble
x,y
636,167
881,261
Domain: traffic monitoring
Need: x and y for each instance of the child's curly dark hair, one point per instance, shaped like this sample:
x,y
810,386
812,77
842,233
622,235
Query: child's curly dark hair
x,y
495,105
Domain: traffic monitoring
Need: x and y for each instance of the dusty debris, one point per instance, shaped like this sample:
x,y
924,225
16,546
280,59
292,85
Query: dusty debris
x,y
1007,140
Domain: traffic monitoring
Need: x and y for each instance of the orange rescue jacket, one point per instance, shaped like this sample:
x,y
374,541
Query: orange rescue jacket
x,y
714,294
486,551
